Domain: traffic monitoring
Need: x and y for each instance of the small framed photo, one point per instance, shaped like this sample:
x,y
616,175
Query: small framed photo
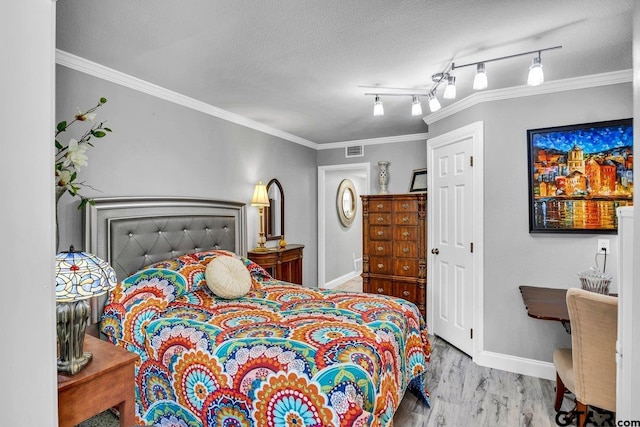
x,y
418,180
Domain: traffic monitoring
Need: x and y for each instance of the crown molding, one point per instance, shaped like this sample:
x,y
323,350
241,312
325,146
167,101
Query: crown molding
x,y
374,141
574,83
100,71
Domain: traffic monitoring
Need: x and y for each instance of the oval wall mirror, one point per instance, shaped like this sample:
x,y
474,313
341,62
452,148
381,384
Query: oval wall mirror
x,y
274,214
346,202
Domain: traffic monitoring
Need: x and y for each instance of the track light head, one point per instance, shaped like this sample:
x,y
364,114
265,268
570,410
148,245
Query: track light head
x,y
536,75
480,81
450,88
434,104
416,107
378,109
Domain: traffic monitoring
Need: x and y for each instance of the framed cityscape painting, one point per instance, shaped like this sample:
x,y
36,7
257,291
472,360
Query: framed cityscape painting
x,y
579,175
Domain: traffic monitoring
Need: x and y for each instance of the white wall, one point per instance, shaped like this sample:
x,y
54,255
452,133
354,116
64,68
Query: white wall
x,y
158,148
512,255
27,334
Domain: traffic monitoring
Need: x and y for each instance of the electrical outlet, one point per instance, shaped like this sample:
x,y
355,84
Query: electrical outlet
x,y
603,246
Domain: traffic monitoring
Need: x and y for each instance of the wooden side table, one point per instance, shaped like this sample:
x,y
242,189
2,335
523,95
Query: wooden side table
x,y
281,263
107,381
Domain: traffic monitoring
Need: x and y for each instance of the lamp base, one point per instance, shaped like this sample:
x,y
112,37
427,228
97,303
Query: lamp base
x,y
260,249
71,324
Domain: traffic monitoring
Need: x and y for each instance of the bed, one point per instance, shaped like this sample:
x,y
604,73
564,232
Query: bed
x,y
281,355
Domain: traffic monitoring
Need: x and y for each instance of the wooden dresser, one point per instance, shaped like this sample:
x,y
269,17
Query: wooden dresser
x,y
394,239
281,263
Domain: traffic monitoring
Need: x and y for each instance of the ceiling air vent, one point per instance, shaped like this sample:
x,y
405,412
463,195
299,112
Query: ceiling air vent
x,y
354,151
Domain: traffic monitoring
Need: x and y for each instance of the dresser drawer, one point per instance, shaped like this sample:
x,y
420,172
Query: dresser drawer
x,y
381,265
380,286
405,267
405,206
379,206
380,218
380,248
407,291
405,249
380,233
405,233
405,218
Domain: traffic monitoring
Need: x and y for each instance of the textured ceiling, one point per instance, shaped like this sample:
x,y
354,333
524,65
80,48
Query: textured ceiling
x,y
296,65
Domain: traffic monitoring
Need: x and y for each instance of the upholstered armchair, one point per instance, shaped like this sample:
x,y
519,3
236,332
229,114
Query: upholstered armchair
x,y
588,369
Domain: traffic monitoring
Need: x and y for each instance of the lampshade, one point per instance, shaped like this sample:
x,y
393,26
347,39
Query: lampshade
x,y
260,196
480,80
536,75
434,104
416,107
450,88
81,275
378,109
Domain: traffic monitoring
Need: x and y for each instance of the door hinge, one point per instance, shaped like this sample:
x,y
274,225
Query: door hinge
x,y
471,161
471,333
471,247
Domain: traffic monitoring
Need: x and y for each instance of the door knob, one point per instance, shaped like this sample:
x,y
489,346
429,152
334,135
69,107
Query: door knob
x,y
435,251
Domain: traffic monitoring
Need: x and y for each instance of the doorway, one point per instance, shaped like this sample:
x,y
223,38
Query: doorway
x,y
339,247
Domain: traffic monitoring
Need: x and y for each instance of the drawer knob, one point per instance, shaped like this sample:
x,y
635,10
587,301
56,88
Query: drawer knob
x,y
405,267
380,219
380,248
380,206
405,206
405,293
380,233
405,234
405,219
405,250
380,265
380,290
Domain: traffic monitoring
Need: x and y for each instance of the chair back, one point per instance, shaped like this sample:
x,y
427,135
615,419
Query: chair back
x,y
594,330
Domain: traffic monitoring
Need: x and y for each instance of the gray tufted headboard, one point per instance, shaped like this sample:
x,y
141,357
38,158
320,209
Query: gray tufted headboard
x,y
132,232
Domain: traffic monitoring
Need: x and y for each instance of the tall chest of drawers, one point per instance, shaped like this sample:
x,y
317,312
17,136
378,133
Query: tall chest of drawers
x,y
394,240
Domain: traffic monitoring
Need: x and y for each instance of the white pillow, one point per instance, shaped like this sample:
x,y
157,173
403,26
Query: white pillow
x,y
228,277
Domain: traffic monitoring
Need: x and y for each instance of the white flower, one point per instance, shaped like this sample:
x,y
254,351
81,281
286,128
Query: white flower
x,y
76,154
63,177
87,116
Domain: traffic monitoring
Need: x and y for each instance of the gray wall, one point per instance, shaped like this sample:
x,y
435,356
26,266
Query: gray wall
x,y
513,256
342,244
158,148
403,157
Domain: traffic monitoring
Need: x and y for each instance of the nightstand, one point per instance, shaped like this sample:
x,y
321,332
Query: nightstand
x,y
281,263
107,381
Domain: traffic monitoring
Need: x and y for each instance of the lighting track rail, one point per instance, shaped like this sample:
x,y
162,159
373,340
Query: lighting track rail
x,y
535,78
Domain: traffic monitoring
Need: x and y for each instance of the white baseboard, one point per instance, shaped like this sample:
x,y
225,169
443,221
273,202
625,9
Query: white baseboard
x,y
518,365
340,280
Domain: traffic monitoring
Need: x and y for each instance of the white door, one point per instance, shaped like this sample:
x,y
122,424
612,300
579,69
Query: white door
x,y
451,211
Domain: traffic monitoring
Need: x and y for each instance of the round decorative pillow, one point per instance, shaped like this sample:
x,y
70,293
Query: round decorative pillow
x,y
227,277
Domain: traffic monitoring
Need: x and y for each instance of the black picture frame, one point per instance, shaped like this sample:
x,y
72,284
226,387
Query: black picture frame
x,y
418,181
578,175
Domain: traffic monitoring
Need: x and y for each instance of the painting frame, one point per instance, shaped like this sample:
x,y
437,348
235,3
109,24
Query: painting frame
x,y
578,175
418,181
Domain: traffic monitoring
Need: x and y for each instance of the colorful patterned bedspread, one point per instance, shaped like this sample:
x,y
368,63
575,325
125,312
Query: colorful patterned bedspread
x,y
283,355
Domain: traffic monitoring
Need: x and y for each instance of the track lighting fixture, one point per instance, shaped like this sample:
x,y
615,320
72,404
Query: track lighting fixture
x,y
480,80
450,88
378,109
416,107
535,78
